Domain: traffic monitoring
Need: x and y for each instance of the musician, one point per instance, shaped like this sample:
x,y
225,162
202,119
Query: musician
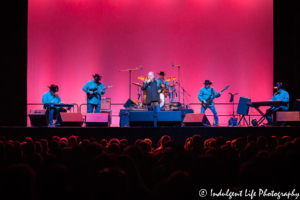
x,y
51,97
280,95
164,83
94,90
153,88
203,95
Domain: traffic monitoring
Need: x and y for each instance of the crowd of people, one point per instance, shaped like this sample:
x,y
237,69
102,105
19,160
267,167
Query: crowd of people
x,y
71,168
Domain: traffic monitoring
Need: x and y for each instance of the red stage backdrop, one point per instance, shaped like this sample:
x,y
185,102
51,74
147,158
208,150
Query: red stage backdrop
x,y
229,42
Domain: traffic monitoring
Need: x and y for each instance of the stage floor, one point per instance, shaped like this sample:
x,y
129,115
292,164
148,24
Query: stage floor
x,y
178,134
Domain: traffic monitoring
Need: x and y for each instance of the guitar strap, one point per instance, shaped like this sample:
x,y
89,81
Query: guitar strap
x,y
89,85
212,91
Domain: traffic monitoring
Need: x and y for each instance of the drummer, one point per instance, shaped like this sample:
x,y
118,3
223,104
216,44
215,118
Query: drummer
x,y
164,83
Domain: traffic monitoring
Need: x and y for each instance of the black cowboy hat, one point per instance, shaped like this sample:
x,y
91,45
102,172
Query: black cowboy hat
x,y
207,82
161,73
97,77
53,88
279,85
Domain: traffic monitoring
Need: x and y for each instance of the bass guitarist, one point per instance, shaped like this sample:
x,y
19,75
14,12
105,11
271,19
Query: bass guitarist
x,y
94,89
204,94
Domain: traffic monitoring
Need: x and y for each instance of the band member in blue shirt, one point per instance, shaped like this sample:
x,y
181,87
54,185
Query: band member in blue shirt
x,y
203,95
51,97
280,95
94,89
165,84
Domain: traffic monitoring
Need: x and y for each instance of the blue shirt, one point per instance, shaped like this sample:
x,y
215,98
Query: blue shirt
x,y
205,93
92,85
163,81
282,95
48,97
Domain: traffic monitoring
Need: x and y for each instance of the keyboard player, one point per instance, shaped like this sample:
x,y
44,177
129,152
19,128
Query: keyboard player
x,y
280,95
52,97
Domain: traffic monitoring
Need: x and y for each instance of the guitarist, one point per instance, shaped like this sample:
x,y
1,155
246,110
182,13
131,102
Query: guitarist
x,y
204,94
94,90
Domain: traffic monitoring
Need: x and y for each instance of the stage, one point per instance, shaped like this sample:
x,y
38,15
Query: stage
x,y
179,134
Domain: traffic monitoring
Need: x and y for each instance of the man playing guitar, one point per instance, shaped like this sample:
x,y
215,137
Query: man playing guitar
x,y
94,89
204,94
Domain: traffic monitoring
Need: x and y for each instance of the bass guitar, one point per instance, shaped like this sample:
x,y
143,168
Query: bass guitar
x,y
211,97
95,92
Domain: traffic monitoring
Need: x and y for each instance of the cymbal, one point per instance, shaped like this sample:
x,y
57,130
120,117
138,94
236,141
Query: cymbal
x,y
171,78
137,84
142,78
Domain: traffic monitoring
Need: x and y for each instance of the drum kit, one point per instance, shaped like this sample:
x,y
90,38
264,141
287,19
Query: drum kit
x,y
167,91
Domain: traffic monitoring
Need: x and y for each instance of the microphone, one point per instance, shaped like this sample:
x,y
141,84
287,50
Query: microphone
x,y
141,69
172,65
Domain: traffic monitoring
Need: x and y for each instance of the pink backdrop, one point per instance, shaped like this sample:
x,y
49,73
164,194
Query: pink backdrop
x,y
229,42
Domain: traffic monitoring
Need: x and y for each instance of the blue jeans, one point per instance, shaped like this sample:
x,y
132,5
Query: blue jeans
x,y
214,111
273,110
51,114
157,108
154,106
91,107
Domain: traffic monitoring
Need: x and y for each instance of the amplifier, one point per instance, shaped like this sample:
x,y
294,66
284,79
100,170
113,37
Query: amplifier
x,y
106,104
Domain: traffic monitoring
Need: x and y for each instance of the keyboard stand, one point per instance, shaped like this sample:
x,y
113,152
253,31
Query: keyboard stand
x,y
262,114
243,117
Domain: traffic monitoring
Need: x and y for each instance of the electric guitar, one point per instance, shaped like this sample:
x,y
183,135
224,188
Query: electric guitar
x,y
96,92
211,97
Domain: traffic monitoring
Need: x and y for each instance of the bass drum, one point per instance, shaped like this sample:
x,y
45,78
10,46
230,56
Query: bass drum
x,y
162,100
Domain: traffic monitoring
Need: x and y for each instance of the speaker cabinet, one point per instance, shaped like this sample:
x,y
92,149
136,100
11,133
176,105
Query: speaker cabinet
x,y
141,118
70,119
131,103
169,118
39,117
297,105
198,119
243,108
97,119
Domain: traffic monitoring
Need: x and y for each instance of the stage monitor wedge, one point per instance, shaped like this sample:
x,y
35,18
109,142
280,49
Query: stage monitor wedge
x,y
39,117
70,119
198,119
97,119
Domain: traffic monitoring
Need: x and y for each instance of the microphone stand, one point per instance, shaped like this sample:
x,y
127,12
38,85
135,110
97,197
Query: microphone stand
x,y
232,100
178,79
183,91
